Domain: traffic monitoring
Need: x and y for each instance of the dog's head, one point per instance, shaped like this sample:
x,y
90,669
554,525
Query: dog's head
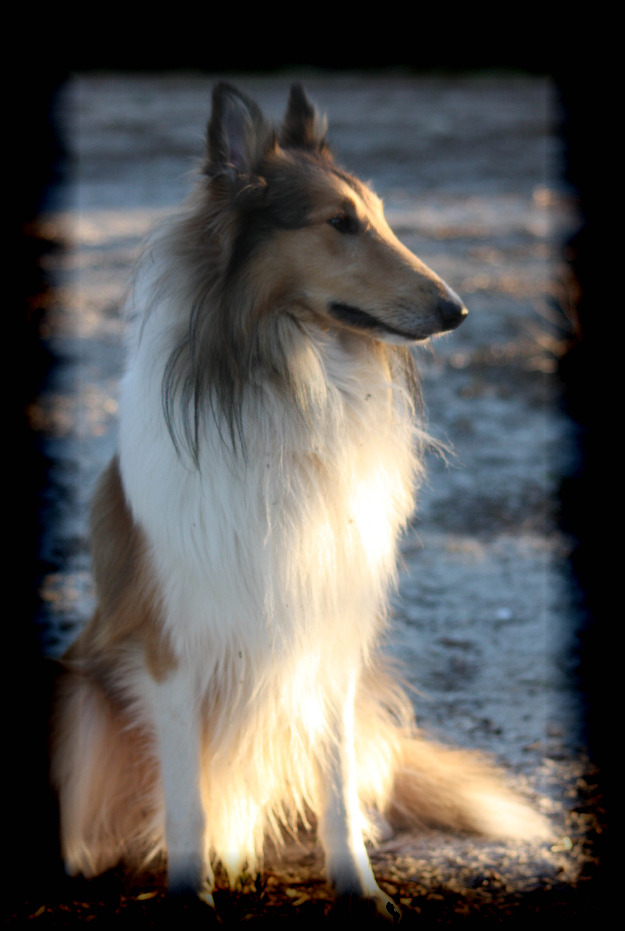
x,y
318,233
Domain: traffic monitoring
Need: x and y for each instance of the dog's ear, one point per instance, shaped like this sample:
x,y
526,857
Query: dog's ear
x,y
238,136
303,127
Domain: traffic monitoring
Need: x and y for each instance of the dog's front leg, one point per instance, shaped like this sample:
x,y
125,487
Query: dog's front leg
x,y
178,733
340,822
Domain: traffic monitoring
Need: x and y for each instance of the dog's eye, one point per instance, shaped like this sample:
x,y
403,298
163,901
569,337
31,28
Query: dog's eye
x,y
344,223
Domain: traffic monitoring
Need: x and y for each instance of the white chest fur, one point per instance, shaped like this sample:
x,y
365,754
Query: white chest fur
x,y
262,547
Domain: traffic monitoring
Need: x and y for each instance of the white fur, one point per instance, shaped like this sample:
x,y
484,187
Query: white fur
x,y
274,572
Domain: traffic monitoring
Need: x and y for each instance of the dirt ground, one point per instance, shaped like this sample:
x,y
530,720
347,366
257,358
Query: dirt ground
x,y
486,617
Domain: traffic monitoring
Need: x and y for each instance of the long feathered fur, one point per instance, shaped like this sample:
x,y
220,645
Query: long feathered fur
x,y
245,536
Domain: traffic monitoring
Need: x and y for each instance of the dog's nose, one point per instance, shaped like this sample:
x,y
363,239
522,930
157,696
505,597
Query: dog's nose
x,y
452,312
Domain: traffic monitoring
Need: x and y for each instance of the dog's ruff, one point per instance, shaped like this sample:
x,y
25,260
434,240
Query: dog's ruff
x,y
230,684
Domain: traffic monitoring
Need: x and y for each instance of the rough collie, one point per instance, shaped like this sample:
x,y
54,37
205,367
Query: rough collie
x,y
230,685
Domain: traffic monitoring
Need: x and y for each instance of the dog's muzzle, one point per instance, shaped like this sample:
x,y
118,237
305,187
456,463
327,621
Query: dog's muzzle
x,y
447,314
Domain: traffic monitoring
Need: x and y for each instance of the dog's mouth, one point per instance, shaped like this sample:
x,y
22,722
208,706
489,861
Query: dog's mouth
x,y
449,313
356,317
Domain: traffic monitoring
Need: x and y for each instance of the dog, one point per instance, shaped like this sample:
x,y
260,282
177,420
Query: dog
x,y
230,685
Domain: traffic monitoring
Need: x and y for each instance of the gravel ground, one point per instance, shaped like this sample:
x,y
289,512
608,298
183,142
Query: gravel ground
x,y
486,617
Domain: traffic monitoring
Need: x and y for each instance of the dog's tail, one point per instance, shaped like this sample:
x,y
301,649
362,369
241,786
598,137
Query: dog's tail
x,y
417,783
452,789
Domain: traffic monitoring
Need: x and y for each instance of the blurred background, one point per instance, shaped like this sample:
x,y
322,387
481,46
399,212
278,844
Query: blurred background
x,y
477,148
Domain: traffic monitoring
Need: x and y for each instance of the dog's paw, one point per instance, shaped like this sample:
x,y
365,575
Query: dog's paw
x,y
389,910
186,906
190,891
374,906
